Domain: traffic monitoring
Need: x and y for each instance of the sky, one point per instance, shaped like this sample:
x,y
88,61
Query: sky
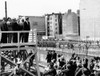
x,y
36,7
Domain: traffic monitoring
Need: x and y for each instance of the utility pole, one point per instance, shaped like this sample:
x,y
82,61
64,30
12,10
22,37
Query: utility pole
x,y
6,9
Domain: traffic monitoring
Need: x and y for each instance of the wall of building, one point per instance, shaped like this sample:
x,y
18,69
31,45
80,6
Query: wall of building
x,y
90,19
37,22
70,23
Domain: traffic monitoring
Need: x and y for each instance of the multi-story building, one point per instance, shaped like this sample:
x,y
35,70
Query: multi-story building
x,y
53,23
70,24
90,19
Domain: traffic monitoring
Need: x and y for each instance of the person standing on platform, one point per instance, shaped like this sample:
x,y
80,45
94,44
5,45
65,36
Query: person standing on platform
x,y
21,28
3,26
26,28
15,27
10,35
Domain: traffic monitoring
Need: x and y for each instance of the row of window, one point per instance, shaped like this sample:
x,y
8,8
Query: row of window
x,y
48,23
51,31
50,18
50,27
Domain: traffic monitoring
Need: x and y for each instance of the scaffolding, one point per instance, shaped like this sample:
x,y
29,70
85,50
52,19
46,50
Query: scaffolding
x,y
16,66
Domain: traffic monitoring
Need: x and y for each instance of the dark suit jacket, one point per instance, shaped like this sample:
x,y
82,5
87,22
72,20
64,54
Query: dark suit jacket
x,y
27,26
15,26
3,26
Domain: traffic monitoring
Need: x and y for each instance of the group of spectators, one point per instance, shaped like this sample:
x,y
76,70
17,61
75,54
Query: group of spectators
x,y
75,66
9,24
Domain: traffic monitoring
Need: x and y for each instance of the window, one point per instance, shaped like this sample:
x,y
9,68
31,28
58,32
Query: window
x,y
50,27
55,16
56,32
56,28
50,22
51,30
56,20
50,17
56,24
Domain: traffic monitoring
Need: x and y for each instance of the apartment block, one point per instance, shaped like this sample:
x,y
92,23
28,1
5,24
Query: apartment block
x,y
53,23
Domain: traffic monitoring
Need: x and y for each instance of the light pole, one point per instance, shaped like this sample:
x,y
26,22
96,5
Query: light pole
x,y
87,47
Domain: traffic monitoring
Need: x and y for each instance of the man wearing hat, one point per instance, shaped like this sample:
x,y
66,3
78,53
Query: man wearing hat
x,y
3,27
26,28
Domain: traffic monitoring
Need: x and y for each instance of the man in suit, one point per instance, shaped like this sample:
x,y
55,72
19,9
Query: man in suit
x,y
4,28
26,28
9,26
15,27
21,28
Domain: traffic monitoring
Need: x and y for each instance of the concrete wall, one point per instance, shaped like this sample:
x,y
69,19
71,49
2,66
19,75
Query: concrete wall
x,y
37,22
90,19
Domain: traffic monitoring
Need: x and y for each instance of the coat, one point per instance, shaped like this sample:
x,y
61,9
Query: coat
x,y
26,26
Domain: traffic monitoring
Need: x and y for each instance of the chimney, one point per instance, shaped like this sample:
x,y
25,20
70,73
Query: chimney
x,y
69,10
78,12
6,9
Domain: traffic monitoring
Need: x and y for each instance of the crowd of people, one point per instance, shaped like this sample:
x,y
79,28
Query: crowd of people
x,y
9,24
75,66
17,58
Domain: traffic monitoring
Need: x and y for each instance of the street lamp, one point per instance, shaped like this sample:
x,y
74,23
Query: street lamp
x,y
87,47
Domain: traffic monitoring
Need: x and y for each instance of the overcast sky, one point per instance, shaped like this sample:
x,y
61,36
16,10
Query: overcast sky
x,y
37,7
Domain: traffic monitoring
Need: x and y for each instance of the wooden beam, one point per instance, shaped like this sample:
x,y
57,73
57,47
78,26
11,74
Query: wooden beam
x,y
3,73
8,60
28,72
11,73
0,60
21,48
28,58
16,44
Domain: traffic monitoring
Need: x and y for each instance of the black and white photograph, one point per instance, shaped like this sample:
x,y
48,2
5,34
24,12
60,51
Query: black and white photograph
x,y
49,37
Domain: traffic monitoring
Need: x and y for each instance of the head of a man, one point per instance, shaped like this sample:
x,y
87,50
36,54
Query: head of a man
x,y
27,18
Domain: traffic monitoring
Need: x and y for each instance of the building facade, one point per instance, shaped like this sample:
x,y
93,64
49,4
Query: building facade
x,y
53,23
70,24
90,19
